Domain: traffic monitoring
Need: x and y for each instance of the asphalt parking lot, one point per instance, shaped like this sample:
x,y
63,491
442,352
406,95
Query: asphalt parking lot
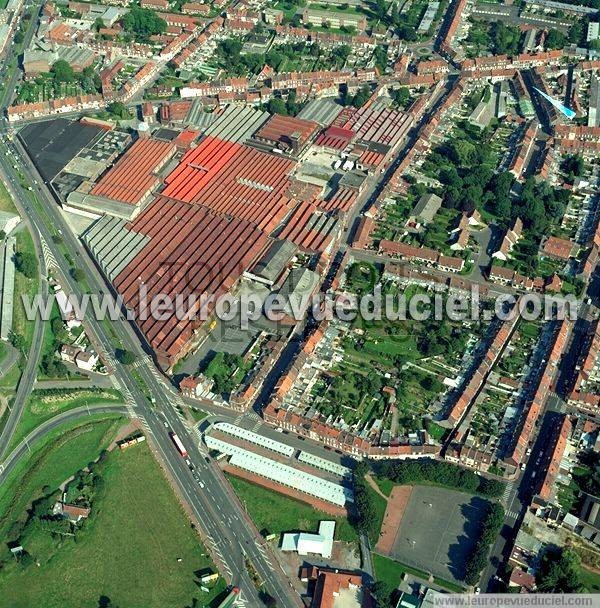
x,y
438,531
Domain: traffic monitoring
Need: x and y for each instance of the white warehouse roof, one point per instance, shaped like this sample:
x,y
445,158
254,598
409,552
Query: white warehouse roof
x,y
326,465
282,473
304,543
264,442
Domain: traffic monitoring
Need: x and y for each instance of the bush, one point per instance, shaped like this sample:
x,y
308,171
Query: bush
x,y
26,264
126,357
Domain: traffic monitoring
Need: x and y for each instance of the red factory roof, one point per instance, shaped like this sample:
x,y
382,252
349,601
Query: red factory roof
x,y
343,199
190,251
335,137
380,125
133,176
310,229
280,129
235,180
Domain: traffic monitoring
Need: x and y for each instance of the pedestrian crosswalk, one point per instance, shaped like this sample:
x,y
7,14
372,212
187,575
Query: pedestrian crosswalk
x,y
507,490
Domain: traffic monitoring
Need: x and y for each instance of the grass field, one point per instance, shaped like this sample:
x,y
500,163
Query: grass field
x,y
129,550
389,570
41,407
276,513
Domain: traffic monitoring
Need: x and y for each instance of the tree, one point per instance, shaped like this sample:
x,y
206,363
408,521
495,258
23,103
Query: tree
x,y
62,71
276,105
384,591
341,53
126,357
118,109
19,37
559,572
143,22
380,58
555,40
98,24
17,341
361,97
505,38
26,264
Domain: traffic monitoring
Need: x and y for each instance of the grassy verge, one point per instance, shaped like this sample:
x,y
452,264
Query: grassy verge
x,y
391,571
24,286
277,513
44,404
136,549
51,461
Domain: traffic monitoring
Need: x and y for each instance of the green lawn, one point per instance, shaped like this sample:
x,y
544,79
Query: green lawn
x,y
137,548
6,202
392,571
42,406
277,513
590,579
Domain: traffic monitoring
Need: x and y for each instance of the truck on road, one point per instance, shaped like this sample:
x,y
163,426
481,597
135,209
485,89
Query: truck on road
x,y
175,439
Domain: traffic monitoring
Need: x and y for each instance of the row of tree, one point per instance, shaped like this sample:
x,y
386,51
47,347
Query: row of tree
x,y
365,518
408,472
490,528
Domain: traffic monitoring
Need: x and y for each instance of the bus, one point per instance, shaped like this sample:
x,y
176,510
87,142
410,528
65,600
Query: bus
x,y
229,601
179,445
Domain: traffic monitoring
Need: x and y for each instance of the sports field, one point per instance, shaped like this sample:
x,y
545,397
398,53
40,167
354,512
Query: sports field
x,y
438,531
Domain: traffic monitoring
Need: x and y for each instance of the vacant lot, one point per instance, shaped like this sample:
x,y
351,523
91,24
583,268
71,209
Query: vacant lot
x,y
137,549
438,531
276,513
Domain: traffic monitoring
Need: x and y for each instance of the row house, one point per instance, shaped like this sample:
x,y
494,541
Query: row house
x,y
557,450
78,103
545,385
524,150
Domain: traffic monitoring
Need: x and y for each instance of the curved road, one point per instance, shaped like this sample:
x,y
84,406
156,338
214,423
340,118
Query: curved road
x,y
41,431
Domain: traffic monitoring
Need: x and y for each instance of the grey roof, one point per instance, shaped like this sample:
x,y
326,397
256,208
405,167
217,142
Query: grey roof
x,y
353,179
8,287
237,123
101,205
299,283
271,265
112,244
197,117
322,111
427,206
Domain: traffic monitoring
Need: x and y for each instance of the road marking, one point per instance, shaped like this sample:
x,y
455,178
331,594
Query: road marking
x,y
49,258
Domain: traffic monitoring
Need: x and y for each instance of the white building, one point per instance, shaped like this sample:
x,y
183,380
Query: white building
x,y
315,544
593,31
86,360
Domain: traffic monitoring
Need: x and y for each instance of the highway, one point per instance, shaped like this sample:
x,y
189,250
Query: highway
x,y
222,520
